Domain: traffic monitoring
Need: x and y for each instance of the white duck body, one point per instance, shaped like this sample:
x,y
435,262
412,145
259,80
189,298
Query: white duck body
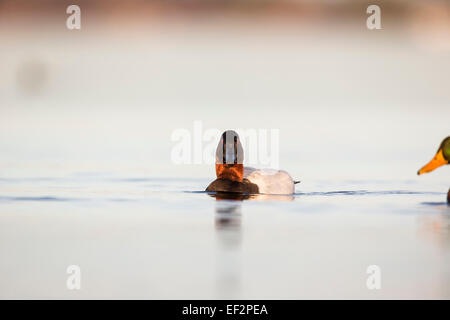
x,y
270,181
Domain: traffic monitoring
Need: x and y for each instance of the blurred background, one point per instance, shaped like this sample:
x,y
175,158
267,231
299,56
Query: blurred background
x,y
87,117
350,103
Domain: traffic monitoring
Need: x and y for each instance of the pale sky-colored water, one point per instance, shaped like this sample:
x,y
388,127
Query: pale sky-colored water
x,y
150,239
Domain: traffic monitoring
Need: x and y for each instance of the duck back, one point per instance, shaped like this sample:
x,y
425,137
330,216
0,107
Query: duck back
x,y
270,181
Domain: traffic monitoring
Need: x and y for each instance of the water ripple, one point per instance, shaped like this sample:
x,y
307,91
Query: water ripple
x,y
45,198
365,192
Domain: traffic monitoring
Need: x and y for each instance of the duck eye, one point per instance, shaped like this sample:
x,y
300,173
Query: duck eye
x,y
446,150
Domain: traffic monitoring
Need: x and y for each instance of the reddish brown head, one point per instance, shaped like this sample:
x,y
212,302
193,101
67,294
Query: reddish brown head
x,y
230,157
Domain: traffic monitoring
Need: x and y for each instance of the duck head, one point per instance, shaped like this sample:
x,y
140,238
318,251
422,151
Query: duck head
x,y
442,157
230,157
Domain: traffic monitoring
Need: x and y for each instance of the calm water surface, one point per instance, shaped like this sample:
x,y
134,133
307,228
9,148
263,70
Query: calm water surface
x,y
166,238
347,103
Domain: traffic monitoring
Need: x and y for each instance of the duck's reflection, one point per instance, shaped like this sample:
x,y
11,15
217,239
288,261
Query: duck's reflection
x,y
435,229
258,197
229,243
229,234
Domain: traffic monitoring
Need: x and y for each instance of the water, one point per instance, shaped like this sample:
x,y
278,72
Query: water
x,y
87,123
166,238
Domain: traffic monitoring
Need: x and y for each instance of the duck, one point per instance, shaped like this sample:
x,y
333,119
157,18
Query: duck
x,y
232,176
441,158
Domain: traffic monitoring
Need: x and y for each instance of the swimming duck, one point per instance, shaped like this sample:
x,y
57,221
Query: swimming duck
x,y
442,157
233,177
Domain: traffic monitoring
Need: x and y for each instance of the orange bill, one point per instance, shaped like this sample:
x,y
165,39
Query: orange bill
x,y
436,162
